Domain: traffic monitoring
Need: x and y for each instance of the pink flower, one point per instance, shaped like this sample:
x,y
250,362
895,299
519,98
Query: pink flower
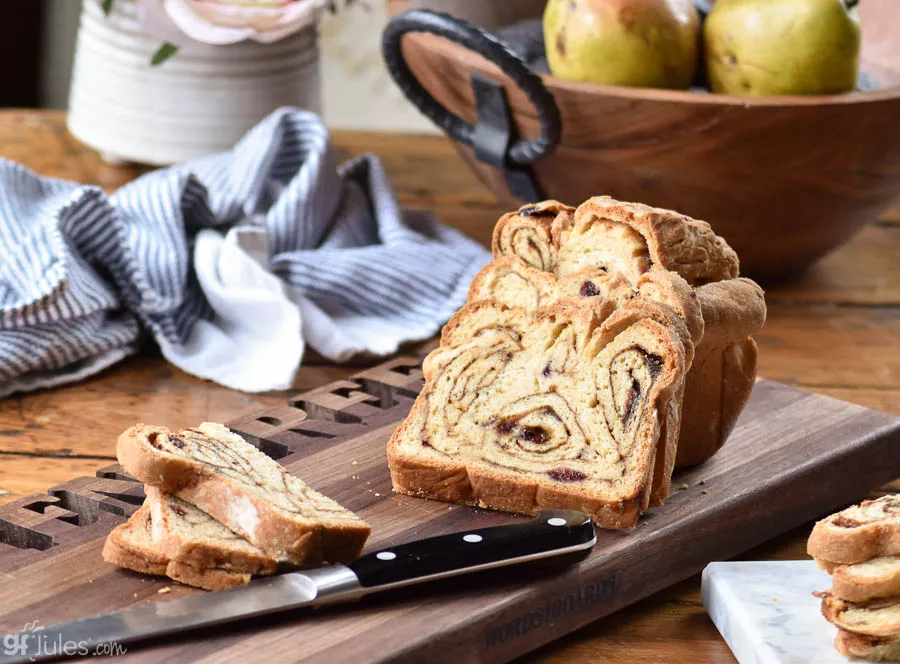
x,y
220,22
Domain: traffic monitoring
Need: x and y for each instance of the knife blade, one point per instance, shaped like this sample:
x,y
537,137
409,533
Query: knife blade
x,y
553,533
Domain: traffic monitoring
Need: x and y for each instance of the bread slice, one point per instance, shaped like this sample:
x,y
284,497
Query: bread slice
x,y
880,617
872,579
873,648
570,410
190,536
225,476
858,533
527,233
631,238
131,545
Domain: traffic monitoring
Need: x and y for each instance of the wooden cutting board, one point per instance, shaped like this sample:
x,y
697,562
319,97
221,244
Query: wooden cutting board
x,y
793,457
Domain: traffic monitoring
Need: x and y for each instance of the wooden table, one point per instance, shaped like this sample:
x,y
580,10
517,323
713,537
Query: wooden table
x,y
835,331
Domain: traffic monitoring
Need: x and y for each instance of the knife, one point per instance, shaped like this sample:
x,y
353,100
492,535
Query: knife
x,y
553,533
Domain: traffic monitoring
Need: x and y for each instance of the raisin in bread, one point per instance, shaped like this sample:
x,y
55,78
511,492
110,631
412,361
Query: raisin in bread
x,y
190,536
858,533
131,545
568,409
872,648
225,476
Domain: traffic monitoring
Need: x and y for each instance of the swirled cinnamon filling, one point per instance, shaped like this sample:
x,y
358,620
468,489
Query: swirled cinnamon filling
x,y
569,402
886,508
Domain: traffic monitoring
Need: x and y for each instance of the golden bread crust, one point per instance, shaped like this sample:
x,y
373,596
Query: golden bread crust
x,y
674,241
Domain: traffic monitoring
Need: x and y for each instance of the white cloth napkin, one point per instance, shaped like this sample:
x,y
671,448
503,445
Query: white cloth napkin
x,y
233,263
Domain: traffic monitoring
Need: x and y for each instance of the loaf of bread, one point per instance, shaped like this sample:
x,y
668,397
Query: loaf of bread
x,y
132,545
246,491
574,407
614,250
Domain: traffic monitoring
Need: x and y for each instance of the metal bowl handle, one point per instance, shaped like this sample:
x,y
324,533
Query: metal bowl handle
x,y
522,151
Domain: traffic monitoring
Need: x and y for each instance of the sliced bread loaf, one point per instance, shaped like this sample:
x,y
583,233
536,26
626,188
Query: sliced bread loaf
x,y
190,536
858,533
131,545
225,476
611,249
571,410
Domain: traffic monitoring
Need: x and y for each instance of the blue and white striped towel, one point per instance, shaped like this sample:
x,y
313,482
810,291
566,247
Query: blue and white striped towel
x,y
230,262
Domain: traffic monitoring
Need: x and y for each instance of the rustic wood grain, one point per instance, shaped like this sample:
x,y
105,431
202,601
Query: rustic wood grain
x,y
793,456
427,173
20,474
831,345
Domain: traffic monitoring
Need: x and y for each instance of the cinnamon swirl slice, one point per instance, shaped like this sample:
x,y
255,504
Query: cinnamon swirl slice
x,y
214,469
575,414
526,233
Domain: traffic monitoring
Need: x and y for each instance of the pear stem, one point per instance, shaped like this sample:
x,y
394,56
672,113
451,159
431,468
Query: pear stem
x,y
851,3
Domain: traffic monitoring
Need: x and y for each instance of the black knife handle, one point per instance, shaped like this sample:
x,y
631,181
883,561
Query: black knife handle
x,y
553,532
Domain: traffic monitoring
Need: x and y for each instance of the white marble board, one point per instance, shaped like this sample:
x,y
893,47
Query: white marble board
x,y
766,613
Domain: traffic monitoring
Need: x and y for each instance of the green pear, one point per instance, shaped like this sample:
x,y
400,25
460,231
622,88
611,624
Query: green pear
x,y
781,47
638,43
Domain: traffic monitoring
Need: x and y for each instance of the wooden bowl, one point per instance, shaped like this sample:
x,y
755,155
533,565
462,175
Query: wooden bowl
x,y
784,179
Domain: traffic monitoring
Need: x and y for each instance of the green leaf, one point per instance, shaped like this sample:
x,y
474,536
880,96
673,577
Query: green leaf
x,y
106,6
163,53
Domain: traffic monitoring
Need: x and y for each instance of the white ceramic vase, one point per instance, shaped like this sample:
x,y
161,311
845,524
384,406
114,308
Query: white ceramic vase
x,y
198,102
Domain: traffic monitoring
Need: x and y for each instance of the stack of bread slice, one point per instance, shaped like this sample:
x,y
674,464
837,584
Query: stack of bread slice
x,y
560,383
611,249
860,548
219,511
